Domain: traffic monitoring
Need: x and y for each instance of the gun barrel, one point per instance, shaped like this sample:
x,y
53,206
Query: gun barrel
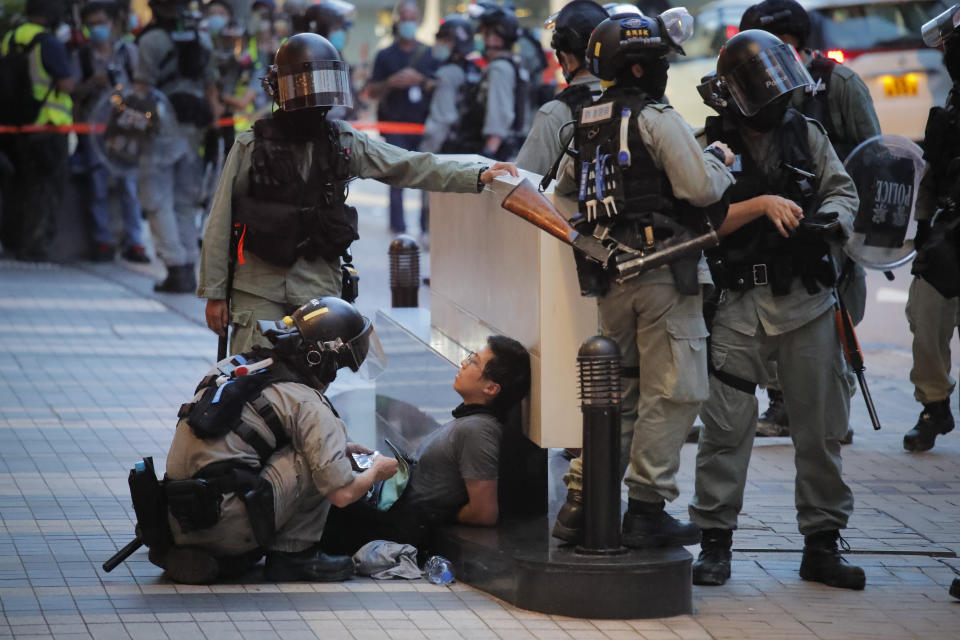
x,y
689,248
122,555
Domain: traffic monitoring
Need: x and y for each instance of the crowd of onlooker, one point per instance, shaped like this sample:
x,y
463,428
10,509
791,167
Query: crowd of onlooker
x,y
148,104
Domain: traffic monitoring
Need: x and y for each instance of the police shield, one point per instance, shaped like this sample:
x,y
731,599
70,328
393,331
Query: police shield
x,y
124,125
887,171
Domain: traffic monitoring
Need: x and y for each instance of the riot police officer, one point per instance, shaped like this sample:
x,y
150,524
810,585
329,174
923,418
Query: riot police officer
x,y
259,455
175,57
840,101
775,269
646,182
282,195
932,308
571,27
455,84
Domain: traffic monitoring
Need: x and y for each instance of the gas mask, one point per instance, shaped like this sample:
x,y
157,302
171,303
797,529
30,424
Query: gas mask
x,y
769,117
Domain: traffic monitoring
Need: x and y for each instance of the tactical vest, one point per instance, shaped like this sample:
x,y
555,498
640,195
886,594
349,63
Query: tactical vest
x,y
56,107
756,254
621,187
941,144
284,216
215,412
467,135
191,58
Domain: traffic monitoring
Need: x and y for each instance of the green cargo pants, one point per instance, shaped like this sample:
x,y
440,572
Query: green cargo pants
x,y
661,333
933,319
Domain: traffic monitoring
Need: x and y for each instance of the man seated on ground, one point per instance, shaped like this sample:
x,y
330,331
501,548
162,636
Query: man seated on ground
x,y
455,469
260,454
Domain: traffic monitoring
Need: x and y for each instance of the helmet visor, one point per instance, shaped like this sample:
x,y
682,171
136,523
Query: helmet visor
x,y
318,83
765,77
940,28
365,353
678,25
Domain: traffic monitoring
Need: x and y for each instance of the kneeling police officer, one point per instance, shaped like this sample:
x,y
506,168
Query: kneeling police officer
x,y
644,181
260,454
282,195
775,268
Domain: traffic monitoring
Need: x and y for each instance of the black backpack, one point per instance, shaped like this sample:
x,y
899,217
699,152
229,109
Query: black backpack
x,y
18,106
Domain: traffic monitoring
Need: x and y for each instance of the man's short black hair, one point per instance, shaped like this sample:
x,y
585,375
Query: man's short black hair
x,y
109,9
510,368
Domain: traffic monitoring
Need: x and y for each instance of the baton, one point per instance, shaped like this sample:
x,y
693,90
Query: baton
x,y
122,555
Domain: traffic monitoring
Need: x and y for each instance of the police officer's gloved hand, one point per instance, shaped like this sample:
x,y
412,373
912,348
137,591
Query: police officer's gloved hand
x,y
923,234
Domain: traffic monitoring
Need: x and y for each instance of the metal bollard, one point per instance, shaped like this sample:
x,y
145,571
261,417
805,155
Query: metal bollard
x,y
404,272
598,362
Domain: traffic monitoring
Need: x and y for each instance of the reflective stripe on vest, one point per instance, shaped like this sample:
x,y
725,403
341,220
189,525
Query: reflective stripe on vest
x,y
57,109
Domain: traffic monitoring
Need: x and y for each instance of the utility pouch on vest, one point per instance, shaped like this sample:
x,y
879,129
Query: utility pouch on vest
x,y
937,261
274,230
195,503
217,411
349,282
150,505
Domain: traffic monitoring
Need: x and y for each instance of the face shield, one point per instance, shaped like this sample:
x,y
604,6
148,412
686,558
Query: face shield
x,y
765,77
677,26
618,8
936,31
317,83
363,354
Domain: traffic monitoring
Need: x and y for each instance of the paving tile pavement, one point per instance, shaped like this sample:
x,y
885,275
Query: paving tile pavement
x,y
93,367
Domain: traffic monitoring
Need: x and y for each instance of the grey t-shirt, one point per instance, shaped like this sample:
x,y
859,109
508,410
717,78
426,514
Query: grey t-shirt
x,y
466,448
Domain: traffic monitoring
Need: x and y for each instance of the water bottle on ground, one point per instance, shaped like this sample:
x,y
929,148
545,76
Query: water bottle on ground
x,y
438,570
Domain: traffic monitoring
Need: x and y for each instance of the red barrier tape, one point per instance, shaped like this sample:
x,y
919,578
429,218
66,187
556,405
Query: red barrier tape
x,y
90,127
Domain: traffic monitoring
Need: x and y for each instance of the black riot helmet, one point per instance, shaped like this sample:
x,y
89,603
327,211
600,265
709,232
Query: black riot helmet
x,y
166,11
942,31
628,38
755,68
325,17
573,25
51,11
779,17
325,335
502,22
460,31
308,72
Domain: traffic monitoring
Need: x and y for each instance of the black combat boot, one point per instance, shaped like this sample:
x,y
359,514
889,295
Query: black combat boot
x,y
646,524
312,565
822,562
180,279
188,565
934,420
955,588
569,524
712,567
774,421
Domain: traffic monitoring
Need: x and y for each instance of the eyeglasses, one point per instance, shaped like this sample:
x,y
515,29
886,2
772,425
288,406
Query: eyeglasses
x,y
472,359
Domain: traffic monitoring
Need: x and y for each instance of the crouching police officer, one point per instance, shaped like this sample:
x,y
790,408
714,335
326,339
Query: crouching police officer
x,y
775,269
646,182
933,310
282,195
259,455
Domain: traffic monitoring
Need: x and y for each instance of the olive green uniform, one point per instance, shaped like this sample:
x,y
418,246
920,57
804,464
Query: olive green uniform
x,y
542,146
933,320
301,474
851,111
263,291
659,331
798,329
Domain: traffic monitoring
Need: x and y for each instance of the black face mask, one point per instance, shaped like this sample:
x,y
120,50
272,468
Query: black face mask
x,y
770,116
951,57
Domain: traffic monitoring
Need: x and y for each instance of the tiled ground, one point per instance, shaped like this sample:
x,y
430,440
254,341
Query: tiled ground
x,y
92,370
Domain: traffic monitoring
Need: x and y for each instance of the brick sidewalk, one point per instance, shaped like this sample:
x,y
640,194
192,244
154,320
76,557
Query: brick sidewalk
x,y
94,367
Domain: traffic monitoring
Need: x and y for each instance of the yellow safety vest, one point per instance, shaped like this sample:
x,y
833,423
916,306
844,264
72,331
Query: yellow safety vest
x,y
57,106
